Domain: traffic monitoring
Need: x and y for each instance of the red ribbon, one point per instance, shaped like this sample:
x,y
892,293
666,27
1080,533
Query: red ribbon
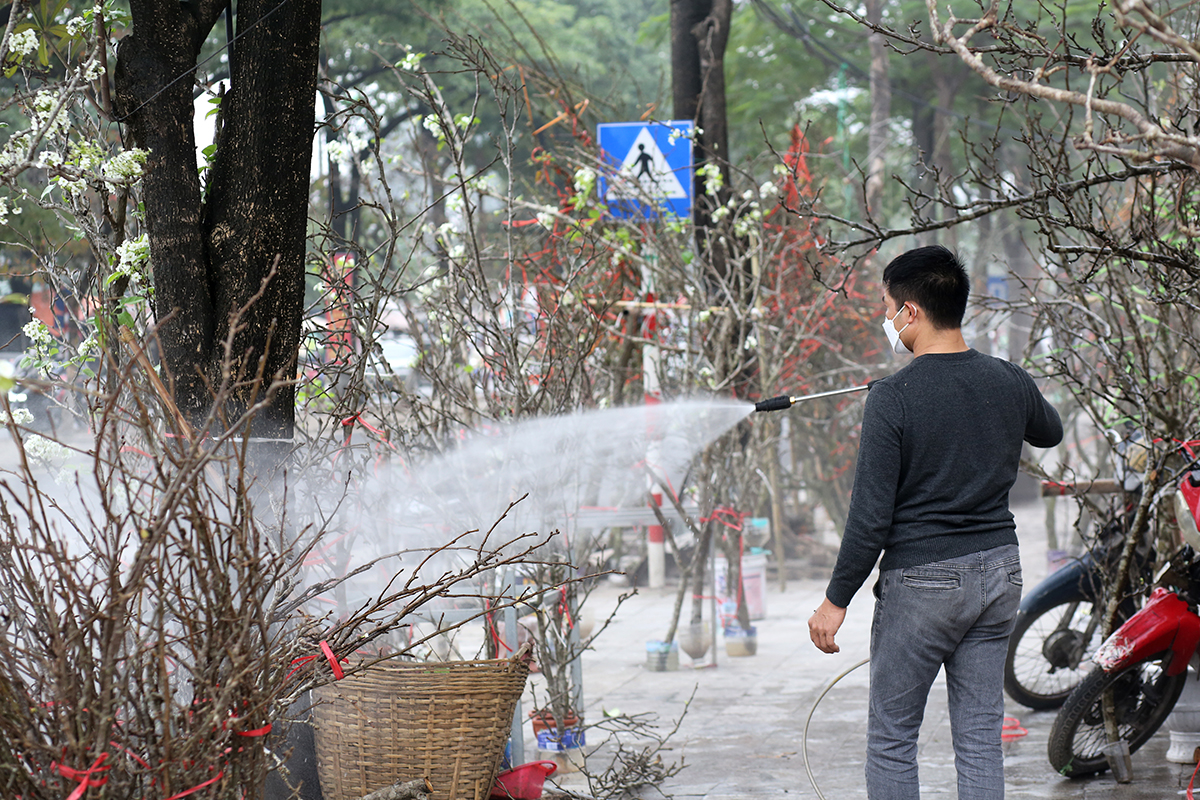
x,y
338,674
719,515
263,731
83,777
492,629
349,422
564,608
195,789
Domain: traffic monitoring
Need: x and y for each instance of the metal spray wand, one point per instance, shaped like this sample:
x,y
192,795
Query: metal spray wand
x,y
784,401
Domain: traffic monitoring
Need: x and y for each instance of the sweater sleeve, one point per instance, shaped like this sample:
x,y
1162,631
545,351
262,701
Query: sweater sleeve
x,y
1043,428
876,479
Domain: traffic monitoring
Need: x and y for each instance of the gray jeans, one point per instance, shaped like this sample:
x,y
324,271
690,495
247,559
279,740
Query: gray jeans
x,y
957,613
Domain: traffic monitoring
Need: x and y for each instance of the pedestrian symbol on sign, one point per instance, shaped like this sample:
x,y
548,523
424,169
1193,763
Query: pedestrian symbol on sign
x,y
644,162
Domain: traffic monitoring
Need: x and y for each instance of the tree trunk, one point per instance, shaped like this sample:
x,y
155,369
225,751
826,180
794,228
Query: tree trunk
x,y
211,255
881,111
699,35
163,45
686,80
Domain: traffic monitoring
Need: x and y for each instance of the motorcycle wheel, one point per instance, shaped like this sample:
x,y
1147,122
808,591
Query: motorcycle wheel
x,y
1144,695
1043,645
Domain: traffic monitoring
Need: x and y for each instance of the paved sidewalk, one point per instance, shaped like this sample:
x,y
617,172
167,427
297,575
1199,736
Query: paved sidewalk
x,y
742,732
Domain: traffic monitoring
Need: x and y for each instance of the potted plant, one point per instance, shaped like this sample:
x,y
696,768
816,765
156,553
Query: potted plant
x,y
695,637
557,716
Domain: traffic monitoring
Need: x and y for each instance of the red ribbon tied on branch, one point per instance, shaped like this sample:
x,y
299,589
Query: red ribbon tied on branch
x,y
338,672
198,787
83,777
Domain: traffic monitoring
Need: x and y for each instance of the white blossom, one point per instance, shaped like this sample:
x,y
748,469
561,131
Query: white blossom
x,y
45,450
42,113
585,179
86,155
411,62
23,42
433,124
93,70
133,253
48,159
126,167
338,151
713,179
21,416
37,332
52,454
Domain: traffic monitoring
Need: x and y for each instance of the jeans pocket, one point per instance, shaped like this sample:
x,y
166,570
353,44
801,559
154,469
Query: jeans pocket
x,y
931,579
1015,578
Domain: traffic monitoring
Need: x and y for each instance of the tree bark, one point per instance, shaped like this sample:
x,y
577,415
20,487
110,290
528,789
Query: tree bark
x,y
211,255
161,48
686,80
256,216
699,35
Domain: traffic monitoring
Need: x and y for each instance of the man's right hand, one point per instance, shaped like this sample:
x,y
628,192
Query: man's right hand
x,y
823,625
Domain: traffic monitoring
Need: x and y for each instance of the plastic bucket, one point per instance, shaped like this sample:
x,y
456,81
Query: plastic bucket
x,y
523,782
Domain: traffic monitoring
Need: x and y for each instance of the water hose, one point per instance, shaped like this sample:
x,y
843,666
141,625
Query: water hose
x,y
811,711
784,401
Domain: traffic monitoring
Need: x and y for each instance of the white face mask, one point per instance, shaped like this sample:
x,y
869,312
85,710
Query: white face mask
x,y
893,335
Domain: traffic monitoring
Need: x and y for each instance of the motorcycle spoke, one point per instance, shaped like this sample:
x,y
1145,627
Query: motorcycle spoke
x,y
1051,656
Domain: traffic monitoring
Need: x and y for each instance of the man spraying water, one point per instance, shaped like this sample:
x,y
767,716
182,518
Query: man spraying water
x,y
940,448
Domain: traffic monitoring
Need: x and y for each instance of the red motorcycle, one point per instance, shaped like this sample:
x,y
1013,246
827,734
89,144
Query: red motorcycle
x,y
1144,662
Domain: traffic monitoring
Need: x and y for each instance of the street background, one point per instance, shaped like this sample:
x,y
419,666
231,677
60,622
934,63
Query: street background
x,y
741,733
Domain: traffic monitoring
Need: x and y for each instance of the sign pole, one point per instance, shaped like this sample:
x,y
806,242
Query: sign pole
x,y
656,554
648,174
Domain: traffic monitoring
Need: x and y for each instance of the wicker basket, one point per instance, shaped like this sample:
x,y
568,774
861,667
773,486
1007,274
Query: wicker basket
x,y
447,722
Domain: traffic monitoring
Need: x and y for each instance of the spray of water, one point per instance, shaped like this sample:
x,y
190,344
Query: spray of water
x,y
553,466
498,485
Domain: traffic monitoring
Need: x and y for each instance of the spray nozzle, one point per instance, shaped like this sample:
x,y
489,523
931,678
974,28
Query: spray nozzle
x,y
784,401
774,404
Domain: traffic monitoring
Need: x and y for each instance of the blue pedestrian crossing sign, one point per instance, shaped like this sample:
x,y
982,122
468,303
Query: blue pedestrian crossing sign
x,y
648,168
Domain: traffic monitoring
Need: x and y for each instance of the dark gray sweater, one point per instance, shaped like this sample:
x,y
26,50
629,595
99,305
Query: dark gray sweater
x,y
940,449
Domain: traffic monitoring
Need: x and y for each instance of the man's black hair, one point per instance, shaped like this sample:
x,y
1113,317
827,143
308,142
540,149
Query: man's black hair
x,y
933,278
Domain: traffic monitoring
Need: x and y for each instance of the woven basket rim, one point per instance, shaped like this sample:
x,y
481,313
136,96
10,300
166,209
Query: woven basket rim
x,y
394,661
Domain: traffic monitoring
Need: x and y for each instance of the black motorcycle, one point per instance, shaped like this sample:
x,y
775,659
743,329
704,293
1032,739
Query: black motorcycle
x,y
1059,622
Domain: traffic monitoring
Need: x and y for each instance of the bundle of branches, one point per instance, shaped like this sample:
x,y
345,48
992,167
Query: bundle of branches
x,y
158,619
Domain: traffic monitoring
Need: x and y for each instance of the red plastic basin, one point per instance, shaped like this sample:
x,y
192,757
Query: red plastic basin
x,y
523,782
